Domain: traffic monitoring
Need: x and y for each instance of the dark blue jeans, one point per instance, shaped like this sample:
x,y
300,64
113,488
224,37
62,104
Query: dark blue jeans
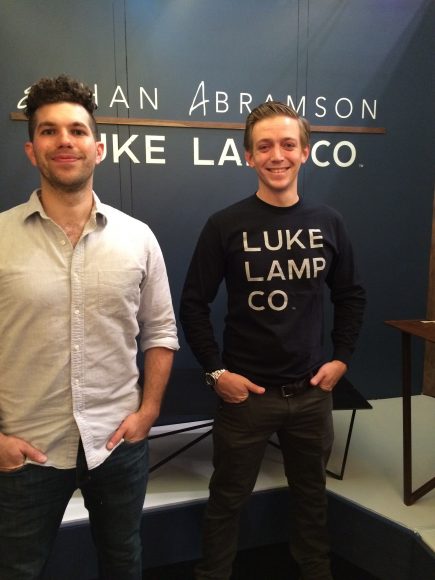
x,y
33,500
240,435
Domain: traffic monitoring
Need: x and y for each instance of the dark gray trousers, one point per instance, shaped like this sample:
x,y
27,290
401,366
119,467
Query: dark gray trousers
x,y
241,431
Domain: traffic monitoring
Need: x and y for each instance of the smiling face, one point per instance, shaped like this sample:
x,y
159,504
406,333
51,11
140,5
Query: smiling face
x,y
277,155
64,147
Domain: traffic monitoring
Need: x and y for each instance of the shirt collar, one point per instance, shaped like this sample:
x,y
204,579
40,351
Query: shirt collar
x,y
34,205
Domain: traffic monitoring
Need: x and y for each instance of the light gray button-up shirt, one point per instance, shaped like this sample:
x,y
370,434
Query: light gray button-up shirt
x,y
69,318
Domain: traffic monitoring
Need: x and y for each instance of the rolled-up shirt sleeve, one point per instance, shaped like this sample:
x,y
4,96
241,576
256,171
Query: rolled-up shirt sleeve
x,y
156,314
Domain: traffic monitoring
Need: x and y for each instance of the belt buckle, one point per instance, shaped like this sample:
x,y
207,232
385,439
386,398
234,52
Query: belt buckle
x,y
287,394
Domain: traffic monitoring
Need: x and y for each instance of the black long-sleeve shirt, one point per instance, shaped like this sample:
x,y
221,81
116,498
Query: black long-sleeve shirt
x,y
276,263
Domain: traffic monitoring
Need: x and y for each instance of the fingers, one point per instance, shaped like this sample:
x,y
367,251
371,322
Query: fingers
x,y
255,389
33,454
134,428
327,388
323,381
116,438
328,375
322,376
13,468
235,388
15,451
248,388
240,398
316,379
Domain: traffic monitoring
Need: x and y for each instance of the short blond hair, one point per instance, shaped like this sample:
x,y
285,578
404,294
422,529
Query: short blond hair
x,y
275,109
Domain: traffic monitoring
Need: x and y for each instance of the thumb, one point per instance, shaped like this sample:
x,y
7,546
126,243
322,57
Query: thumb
x,y
33,453
315,381
253,388
116,438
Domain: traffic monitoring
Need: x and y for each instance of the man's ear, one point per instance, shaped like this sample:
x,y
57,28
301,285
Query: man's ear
x,y
100,152
28,148
249,158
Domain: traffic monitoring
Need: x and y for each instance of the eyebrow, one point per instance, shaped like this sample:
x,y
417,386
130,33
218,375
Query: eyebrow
x,y
53,124
268,140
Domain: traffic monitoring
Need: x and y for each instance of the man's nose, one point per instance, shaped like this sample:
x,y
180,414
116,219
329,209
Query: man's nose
x,y
64,138
277,152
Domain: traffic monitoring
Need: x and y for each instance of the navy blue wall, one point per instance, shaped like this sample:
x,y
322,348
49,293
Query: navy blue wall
x,y
330,56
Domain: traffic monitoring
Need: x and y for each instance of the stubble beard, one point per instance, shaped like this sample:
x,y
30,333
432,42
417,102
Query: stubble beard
x,y
68,186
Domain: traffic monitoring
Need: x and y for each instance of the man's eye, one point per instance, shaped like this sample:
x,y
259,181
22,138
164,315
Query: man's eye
x,y
78,132
47,132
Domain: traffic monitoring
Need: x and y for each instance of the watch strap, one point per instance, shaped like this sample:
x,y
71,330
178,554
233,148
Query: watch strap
x,y
217,374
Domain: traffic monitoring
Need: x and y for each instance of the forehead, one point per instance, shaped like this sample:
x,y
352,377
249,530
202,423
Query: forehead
x,y
277,127
62,113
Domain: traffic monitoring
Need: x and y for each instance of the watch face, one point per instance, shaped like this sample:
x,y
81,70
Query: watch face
x,y
209,380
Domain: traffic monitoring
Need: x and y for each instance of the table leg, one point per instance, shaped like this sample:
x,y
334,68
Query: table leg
x,y
409,496
407,431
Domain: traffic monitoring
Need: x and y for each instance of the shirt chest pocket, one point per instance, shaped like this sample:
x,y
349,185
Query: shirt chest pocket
x,y
118,292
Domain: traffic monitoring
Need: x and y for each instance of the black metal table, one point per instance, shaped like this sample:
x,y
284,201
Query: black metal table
x,y
425,331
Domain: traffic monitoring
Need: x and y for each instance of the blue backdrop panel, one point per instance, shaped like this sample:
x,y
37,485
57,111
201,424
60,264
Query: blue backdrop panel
x,y
364,64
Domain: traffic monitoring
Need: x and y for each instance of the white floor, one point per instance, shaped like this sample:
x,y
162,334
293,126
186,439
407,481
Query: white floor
x,y
373,476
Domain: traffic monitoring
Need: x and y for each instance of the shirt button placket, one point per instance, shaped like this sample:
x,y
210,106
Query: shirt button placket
x,y
77,328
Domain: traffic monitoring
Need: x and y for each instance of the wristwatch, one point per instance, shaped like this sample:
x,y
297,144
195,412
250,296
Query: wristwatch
x,y
211,378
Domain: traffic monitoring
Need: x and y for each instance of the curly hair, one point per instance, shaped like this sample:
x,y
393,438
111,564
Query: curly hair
x,y
275,109
62,89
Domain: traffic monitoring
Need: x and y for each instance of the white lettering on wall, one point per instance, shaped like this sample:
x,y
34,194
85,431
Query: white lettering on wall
x,y
119,97
150,149
200,93
221,102
300,107
143,93
230,153
196,158
335,154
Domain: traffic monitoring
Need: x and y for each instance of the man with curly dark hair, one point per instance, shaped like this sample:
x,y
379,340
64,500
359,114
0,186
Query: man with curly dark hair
x,y
79,282
62,89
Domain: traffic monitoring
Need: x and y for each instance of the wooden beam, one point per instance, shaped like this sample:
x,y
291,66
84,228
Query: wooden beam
x,y
139,122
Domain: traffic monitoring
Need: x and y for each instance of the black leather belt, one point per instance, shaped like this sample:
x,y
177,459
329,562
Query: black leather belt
x,y
295,388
